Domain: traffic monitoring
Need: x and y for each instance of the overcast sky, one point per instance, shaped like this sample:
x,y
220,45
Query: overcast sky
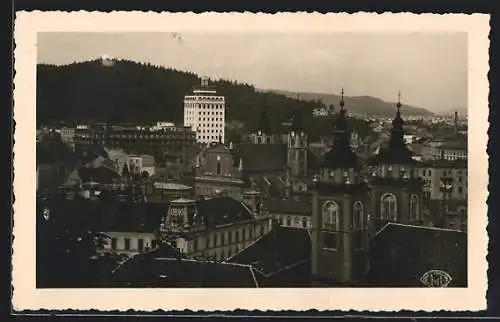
x,y
429,69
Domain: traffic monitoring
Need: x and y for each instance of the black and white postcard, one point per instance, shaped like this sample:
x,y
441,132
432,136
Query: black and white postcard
x,y
250,161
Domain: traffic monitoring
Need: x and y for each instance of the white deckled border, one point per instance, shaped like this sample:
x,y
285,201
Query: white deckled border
x,y
28,24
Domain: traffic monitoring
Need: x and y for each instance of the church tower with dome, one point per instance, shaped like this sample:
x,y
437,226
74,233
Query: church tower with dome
x,y
396,194
340,219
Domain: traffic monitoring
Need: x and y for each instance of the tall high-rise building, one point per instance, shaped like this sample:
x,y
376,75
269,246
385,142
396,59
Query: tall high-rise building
x,y
204,112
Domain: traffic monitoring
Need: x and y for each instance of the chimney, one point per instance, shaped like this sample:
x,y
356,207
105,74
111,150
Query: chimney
x,y
456,123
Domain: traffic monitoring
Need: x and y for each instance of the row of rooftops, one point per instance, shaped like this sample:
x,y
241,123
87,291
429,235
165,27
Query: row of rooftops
x,y
282,258
108,213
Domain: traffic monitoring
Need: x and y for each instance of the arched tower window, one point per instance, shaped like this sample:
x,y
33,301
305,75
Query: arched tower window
x,y
292,142
331,215
218,167
357,216
302,142
414,214
259,140
388,207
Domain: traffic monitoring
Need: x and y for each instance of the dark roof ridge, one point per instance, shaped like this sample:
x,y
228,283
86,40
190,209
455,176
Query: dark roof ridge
x,y
249,245
250,268
415,226
284,268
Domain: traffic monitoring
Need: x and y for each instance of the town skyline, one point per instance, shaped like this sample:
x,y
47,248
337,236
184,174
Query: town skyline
x,y
295,63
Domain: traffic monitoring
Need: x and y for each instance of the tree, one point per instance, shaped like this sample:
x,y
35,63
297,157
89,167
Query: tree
x,y
67,247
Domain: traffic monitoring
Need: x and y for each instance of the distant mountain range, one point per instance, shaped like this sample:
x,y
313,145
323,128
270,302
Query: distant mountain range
x,y
356,104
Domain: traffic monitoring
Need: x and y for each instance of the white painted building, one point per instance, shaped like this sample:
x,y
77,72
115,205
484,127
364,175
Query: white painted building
x,y
140,163
204,112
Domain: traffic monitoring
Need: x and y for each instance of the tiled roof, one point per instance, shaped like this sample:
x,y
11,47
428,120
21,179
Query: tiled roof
x,y
261,157
222,211
456,144
416,148
288,207
277,251
402,254
154,270
98,174
313,160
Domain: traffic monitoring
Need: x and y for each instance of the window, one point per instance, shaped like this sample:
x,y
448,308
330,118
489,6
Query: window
x,y
388,207
259,140
140,244
304,222
460,190
218,239
280,220
218,167
154,243
113,243
413,208
292,142
230,237
288,221
302,142
330,215
237,236
127,243
357,216
195,245
268,140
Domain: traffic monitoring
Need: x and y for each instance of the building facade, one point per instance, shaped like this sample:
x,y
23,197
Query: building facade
x,y
204,113
212,229
433,173
340,206
137,140
216,172
397,195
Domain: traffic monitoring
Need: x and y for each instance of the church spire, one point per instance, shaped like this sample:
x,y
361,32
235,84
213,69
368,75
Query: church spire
x,y
397,131
341,154
297,124
264,125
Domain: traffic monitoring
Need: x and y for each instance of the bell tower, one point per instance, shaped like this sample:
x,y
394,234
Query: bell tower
x,y
263,134
396,192
340,213
297,147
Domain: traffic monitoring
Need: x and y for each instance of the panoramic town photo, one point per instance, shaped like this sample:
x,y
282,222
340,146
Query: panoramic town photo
x,y
251,160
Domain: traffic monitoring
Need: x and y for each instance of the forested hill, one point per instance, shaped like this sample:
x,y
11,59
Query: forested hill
x,y
127,91
133,92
